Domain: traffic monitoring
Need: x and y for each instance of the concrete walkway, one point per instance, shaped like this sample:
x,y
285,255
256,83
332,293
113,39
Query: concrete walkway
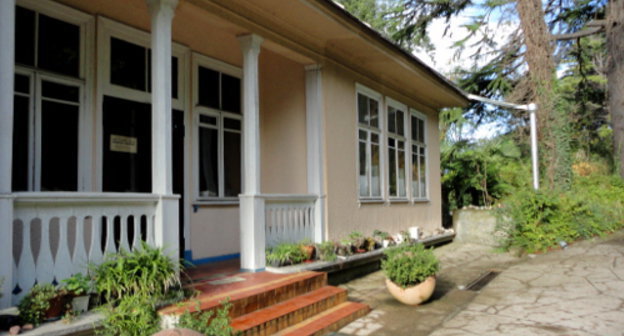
x,y
577,291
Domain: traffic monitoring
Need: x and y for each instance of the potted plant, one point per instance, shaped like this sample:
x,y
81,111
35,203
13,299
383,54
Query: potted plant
x,y
410,273
358,241
78,286
44,302
326,250
308,249
284,254
384,238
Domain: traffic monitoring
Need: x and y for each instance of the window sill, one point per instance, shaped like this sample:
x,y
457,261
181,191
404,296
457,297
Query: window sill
x,y
371,201
421,200
214,203
399,200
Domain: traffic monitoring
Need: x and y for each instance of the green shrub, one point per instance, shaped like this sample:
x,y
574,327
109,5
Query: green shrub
x,y
205,323
327,250
536,221
409,265
33,306
146,270
285,254
78,284
134,315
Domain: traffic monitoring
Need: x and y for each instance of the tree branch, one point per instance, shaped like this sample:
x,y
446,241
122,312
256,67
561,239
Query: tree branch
x,y
575,35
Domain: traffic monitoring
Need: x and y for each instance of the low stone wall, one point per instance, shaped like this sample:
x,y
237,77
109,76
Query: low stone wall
x,y
476,226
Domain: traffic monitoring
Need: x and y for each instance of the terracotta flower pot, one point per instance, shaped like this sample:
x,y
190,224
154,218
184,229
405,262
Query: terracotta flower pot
x,y
58,307
414,295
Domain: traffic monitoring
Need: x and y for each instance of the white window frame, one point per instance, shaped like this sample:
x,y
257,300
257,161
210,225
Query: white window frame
x,y
403,108
425,145
198,110
86,23
108,28
371,94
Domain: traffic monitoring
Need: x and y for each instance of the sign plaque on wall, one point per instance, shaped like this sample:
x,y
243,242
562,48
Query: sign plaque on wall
x,y
123,144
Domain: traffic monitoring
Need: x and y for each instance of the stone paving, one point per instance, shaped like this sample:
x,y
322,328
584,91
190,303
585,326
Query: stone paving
x,y
576,291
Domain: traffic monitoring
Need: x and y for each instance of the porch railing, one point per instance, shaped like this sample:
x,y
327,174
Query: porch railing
x,y
289,218
59,234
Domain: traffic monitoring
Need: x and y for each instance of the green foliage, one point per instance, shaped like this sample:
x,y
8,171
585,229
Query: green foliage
x,y
327,250
536,221
78,284
134,315
285,254
382,235
133,284
33,306
144,271
409,265
207,322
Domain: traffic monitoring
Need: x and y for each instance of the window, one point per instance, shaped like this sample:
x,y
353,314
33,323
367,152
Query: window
x,y
397,184
219,128
126,118
369,137
419,155
49,90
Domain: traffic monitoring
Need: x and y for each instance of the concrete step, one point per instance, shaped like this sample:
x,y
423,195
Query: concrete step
x,y
330,320
272,319
248,292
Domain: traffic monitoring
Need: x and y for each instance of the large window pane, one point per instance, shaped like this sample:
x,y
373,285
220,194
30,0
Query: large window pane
x,y
232,163
59,147
21,106
401,177
208,88
127,146
391,120
230,94
415,171
374,113
208,162
375,171
400,122
362,109
59,46
392,171
24,36
128,64
421,130
423,175
60,91
363,177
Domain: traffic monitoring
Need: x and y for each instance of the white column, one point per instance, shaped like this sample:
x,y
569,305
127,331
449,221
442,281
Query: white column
x,y
315,149
252,219
166,221
7,67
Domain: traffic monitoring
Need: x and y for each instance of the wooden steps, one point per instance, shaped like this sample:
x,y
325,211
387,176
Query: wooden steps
x,y
266,303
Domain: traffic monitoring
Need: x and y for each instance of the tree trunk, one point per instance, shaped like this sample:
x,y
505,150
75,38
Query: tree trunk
x,y
539,57
615,78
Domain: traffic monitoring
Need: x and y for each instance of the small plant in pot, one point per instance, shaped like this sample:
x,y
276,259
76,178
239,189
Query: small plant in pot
x,y
410,273
327,250
358,241
78,286
308,249
284,254
44,302
384,238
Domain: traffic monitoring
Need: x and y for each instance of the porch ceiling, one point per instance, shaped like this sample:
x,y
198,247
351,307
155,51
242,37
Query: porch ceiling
x,y
317,31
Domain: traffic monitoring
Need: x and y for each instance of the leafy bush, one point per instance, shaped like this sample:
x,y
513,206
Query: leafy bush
x,y
409,265
134,315
205,323
285,254
146,270
78,284
33,306
134,283
536,221
327,250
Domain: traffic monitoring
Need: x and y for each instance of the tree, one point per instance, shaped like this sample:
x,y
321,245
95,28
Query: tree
x,y
615,76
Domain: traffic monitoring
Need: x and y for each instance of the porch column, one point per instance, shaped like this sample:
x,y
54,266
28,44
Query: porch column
x,y
315,149
7,67
166,221
252,236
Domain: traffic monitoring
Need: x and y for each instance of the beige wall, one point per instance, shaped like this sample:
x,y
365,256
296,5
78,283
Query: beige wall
x,y
344,213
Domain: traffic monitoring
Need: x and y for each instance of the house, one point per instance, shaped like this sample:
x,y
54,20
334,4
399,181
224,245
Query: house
x,y
212,128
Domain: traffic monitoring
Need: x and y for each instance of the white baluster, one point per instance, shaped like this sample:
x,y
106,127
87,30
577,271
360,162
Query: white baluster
x,y
136,240
26,272
109,247
45,263
150,230
79,257
62,263
123,236
95,250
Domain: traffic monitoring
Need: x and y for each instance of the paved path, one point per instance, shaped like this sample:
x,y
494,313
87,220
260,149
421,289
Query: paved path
x,y
577,291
